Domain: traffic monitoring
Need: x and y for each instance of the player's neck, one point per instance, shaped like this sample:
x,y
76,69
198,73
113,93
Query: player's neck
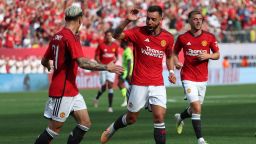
x,y
71,27
157,31
196,32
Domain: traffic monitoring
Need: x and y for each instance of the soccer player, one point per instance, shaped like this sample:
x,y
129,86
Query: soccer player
x,y
127,63
64,99
147,88
198,47
106,52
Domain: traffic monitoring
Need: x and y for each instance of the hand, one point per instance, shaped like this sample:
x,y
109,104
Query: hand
x,y
111,67
133,14
203,56
172,78
178,65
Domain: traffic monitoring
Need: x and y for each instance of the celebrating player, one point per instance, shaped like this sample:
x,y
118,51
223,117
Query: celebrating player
x,y
106,52
150,43
64,99
197,46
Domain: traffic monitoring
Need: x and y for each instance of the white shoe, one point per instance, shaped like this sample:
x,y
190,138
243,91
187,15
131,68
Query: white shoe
x,y
124,104
110,109
107,134
95,103
202,141
179,123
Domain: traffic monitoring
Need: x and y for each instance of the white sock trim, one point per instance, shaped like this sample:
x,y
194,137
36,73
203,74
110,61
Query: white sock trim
x,y
124,119
111,91
51,132
159,125
82,127
196,116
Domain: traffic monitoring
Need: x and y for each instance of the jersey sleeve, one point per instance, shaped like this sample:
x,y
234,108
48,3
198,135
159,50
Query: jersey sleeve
x,y
48,53
214,45
75,48
178,45
169,48
131,34
129,54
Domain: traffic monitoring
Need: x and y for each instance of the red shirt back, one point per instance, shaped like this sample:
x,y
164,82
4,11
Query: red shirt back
x,y
107,53
64,49
149,52
193,69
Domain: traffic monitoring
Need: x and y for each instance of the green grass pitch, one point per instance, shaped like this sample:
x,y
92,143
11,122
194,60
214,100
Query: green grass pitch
x,y
229,117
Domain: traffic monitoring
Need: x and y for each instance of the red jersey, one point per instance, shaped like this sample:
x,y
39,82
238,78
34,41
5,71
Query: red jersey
x,y
64,49
194,69
149,51
107,53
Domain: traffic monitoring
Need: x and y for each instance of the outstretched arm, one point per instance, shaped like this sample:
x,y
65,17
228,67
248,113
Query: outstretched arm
x,y
85,63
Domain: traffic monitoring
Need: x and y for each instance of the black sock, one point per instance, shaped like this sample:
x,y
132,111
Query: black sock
x,y
110,99
196,122
185,114
77,135
120,122
100,92
44,138
160,133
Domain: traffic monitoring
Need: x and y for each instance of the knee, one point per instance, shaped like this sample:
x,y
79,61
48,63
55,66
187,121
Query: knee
x,y
196,110
159,118
86,123
131,119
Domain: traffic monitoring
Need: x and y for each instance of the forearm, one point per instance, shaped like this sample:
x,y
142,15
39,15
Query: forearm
x,y
119,30
215,56
170,63
91,65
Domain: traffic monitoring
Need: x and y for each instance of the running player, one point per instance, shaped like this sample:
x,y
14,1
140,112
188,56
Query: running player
x,y
198,47
106,52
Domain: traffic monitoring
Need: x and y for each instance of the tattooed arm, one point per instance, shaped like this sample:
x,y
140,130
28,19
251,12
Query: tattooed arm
x,y
85,63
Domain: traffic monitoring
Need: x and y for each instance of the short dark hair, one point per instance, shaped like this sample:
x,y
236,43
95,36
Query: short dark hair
x,y
190,14
108,31
155,8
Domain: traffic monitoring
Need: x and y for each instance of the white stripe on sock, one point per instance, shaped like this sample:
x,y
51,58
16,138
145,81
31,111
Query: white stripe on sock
x,y
82,127
195,116
51,132
159,125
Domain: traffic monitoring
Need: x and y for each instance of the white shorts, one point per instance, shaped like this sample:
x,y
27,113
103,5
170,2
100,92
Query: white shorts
x,y
194,91
144,96
59,108
106,75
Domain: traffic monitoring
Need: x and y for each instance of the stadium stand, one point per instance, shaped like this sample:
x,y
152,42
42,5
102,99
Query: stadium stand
x,y
26,24
31,23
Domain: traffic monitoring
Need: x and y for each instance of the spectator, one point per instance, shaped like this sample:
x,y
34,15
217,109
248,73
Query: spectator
x,y
225,63
244,62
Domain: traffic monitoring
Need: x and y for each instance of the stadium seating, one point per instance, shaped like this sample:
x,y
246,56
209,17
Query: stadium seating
x,y
32,23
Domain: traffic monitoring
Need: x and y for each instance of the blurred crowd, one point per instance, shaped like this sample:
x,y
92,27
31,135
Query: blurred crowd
x,y
31,23
14,65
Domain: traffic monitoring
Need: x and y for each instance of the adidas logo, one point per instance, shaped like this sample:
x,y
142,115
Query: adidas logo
x,y
146,40
188,43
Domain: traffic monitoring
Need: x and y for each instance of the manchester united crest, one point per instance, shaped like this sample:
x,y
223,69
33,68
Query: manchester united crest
x,y
163,43
188,90
113,49
204,43
62,114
